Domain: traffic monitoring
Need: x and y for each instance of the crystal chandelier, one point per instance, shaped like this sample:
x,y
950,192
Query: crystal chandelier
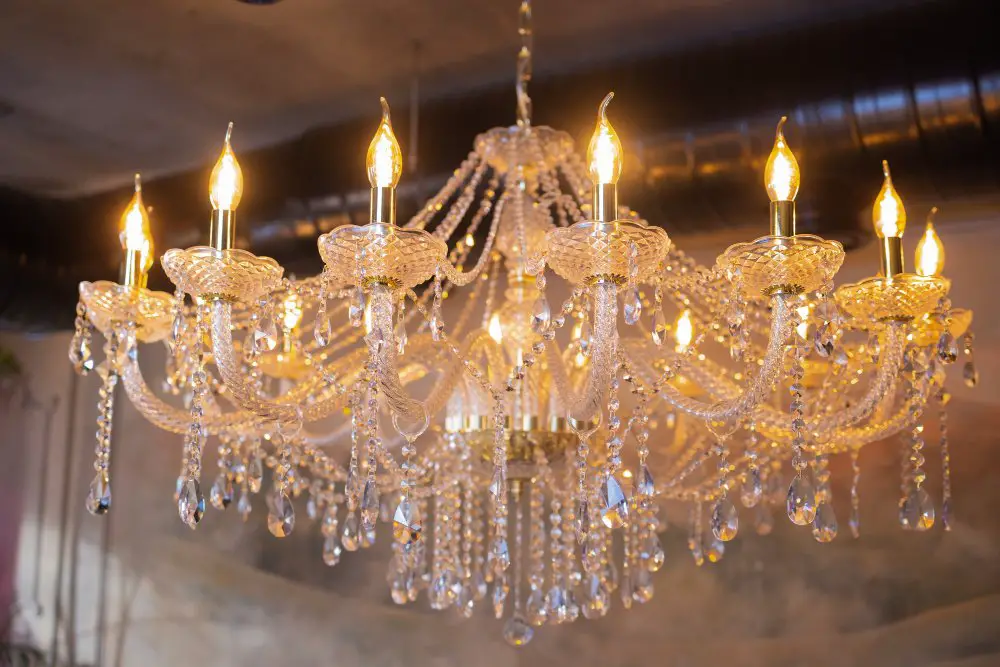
x,y
533,470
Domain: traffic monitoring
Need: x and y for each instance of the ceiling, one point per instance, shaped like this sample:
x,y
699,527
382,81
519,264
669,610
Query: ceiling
x,y
91,92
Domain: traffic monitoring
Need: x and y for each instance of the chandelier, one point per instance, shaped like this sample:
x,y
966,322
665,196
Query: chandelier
x,y
529,472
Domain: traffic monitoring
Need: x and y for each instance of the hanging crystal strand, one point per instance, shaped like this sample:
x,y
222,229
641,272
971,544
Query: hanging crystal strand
x,y
328,528
942,397
752,489
725,519
614,504
99,496
350,536
627,585
436,321
323,324
659,330
399,332
281,517
191,502
369,496
481,574
632,305
855,522
541,312
499,554
570,567
555,597
694,534
801,500
828,321
582,513
825,522
221,495
517,631
440,592
736,319
265,333
80,354
467,595
916,509
534,611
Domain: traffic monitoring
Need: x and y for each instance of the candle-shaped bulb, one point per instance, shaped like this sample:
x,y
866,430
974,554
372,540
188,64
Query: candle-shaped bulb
x,y
930,250
225,186
495,330
781,174
385,159
604,154
134,233
683,330
888,213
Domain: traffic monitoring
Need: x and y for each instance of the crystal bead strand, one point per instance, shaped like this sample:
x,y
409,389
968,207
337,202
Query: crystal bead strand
x,y
614,505
801,500
281,517
99,497
571,568
942,397
694,534
659,329
437,321
725,519
517,631
632,303
191,502
535,607
627,583
916,509
855,521
221,495
736,319
555,597
825,522
467,596
350,534
752,488
80,355
369,497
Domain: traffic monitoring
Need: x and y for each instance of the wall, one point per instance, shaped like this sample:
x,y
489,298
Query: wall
x,y
229,594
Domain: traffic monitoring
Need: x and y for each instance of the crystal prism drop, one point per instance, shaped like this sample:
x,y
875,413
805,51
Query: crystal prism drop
x,y
696,552
479,588
177,328
763,519
659,327
555,605
614,510
534,610
356,309
369,504
399,333
436,323
823,341
581,520
541,315
221,494
596,598
947,348
586,336
645,486
498,484
501,555
632,306
725,519
99,497
916,512
517,632
655,556
800,503
349,536
440,593
825,523
970,374
397,589
331,550
500,589
244,506
753,488
191,504
265,334
642,591
255,473
323,328
464,602
80,356
281,518
406,523
716,550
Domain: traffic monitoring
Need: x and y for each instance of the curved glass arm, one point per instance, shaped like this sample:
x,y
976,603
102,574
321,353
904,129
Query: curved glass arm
x,y
382,346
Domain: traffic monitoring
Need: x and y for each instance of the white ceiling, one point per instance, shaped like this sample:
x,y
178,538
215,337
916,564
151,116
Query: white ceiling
x,y
92,91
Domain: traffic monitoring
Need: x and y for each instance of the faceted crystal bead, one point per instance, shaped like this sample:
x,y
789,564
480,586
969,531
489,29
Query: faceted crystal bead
x,y
947,348
191,504
970,374
534,610
331,550
614,510
80,355
221,494
586,336
632,305
696,552
916,512
596,598
715,550
800,503
825,523
406,523
255,473
541,315
659,327
356,309
498,483
99,497
440,593
369,504
753,488
349,536
645,486
556,608
826,310
654,554
265,334
501,555
873,346
725,519
281,518
244,506
823,340
643,586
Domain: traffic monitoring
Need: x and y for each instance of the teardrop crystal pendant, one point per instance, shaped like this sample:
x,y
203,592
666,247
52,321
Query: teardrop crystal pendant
x,y
323,328
281,518
399,333
653,553
659,327
99,497
255,473
632,305
725,519
541,315
406,523
753,488
825,523
356,309
800,503
437,322
190,503
80,356
970,374
947,348
823,340
645,486
614,513
244,506
331,551
265,334
517,631
534,610
581,521
369,504
221,495
498,484
349,536
916,512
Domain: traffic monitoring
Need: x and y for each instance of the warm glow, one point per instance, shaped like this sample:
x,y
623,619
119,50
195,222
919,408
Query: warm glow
x,y
134,233
604,154
293,311
888,213
802,328
225,186
781,175
930,250
496,332
683,331
385,159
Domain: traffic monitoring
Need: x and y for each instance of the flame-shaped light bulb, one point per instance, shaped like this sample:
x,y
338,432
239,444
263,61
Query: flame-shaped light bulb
x,y
930,250
225,186
683,330
134,233
888,213
385,159
604,153
781,174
